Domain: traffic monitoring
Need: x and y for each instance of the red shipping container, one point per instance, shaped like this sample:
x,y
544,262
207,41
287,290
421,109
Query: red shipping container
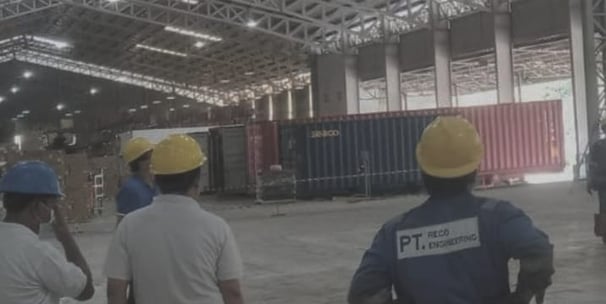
x,y
263,148
520,138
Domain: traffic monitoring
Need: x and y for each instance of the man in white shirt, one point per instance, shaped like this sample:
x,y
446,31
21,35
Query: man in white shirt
x,y
174,251
32,271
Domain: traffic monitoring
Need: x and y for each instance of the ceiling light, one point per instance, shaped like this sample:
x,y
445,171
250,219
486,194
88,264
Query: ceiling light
x,y
25,112
14,118
20,116
94,91
113,1
199,44
132,110
252,23
172,109
56,43
159,50
143,107
77,112
186,106
68,115
28,74
156,102
224,81
187,32
2,99
192,2
14,89
170,97
249,73
60,107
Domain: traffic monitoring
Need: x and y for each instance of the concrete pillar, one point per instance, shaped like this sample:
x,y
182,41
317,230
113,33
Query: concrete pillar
x,y
262,108
442,58
336,84
281,106
503,50
392,77
584,78
301,103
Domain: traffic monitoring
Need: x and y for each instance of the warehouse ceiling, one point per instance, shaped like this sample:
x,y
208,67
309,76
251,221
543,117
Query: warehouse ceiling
x,y
44,95
210,50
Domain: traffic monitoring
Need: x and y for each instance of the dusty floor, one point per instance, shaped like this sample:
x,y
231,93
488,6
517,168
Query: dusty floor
x,y
308,255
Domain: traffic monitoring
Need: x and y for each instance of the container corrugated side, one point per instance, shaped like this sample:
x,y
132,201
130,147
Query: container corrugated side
x,y
334,156
235,162
520,138
202,138
263,150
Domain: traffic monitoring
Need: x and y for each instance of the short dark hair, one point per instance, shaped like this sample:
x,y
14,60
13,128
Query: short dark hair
x,y
17,202
178,183
135,165
437,186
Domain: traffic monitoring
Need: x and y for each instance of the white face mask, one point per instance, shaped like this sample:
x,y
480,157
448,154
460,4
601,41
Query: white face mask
x,y
51,218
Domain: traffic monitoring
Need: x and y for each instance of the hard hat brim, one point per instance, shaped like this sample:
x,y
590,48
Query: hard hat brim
x,y
455,172
136,156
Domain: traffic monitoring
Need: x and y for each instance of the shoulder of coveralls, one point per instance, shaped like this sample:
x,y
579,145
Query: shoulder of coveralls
x,y
518,232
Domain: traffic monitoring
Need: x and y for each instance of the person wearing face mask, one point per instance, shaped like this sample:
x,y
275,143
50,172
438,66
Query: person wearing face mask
x,y
34,271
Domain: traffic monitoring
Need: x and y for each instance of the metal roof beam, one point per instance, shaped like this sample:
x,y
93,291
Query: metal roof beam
x,y
128,77
17,8
178,14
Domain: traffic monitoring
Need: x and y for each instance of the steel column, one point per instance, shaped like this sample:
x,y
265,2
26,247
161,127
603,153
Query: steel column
x,y
442,58
584,78
503,50
392,77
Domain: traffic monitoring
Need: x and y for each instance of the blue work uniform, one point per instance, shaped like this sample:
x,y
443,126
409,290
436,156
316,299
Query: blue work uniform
x,y
449,251
134,194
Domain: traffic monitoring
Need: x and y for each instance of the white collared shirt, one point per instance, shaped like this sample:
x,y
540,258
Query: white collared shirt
x,y
33,271
174,252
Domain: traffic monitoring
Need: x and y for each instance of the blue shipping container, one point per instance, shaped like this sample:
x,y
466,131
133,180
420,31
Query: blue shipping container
x,y
359,155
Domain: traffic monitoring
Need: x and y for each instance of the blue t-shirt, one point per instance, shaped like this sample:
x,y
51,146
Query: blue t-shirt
x,y
134,194
449,251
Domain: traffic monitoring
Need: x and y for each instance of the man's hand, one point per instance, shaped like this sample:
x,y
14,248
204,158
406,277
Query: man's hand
x,y
72,251
534,279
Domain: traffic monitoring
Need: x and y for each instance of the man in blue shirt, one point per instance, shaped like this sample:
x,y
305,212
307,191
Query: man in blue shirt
x,y
454,248
138,190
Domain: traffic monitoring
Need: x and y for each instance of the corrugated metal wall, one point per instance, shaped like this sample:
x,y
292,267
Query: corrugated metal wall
x,y
332,155
202,139
520,138
343,156
263,151
228,159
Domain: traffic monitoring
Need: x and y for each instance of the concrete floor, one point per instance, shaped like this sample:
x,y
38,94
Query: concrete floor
x,y
308,255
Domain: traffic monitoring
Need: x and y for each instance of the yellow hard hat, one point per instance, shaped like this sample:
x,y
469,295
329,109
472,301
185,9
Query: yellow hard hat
x,y
450,147
135,148
177,154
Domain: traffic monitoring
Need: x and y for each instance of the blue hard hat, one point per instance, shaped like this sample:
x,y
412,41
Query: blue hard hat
x,y
31,177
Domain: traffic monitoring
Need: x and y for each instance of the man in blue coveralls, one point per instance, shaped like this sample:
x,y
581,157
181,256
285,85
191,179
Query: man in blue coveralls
x,y
138,190
454,248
